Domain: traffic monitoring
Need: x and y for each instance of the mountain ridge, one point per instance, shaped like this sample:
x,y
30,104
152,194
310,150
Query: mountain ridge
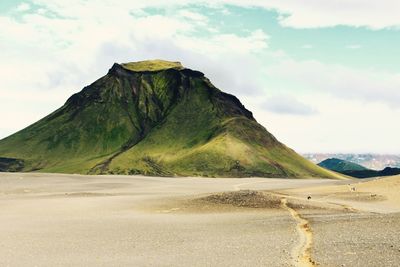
x,y
155,118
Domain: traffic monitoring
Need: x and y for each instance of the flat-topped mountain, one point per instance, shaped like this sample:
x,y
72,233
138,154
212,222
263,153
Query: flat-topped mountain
x,y
155,118
152,65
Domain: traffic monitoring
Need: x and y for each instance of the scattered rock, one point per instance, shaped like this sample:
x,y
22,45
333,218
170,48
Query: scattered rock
x,y
244,198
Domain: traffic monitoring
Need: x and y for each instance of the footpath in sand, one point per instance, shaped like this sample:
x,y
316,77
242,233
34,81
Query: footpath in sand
x,y
301,253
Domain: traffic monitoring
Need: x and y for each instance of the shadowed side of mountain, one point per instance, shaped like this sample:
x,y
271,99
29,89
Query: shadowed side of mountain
x,y
11,165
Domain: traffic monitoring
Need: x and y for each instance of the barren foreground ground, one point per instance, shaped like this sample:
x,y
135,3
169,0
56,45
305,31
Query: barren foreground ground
x,y
74,220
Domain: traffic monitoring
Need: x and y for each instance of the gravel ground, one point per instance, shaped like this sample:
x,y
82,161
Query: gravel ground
x,y
70,220
75,220
356,239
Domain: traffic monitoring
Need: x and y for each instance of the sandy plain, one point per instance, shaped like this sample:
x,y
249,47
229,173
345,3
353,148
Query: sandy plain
x,y
77,220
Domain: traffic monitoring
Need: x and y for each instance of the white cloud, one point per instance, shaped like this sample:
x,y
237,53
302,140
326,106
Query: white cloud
x,y
357,109
293,13
230,43
193,16
23,7
284,104
341,125
344,82
158,26
317,13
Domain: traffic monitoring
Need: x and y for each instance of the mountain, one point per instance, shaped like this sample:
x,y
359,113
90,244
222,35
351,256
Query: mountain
x,y
339,165
154,118
371,161
356,170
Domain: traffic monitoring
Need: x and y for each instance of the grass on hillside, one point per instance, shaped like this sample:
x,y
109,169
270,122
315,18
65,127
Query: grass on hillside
x,y
195,140
155,123
152,65
341,165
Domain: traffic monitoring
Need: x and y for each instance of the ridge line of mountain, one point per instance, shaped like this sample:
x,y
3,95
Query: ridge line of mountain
x,y
153,118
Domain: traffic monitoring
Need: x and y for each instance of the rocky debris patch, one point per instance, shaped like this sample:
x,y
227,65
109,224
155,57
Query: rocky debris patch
x,y
243,199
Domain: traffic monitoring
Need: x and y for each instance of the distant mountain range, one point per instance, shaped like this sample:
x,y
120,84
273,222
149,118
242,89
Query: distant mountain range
x,y
355,170
370,161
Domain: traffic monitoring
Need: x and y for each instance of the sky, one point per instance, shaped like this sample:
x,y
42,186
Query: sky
x,y
322,76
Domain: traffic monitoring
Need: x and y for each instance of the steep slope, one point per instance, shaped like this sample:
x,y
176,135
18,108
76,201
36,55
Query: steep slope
x,y
156,118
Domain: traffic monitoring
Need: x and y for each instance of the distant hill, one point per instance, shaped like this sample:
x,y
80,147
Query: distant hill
x,y
370,161
154,118
356,170
339,165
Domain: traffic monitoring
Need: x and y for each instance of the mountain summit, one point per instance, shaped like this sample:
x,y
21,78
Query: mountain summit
x,y
155,118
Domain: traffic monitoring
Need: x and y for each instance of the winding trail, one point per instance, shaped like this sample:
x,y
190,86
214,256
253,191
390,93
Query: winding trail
x,y
301,253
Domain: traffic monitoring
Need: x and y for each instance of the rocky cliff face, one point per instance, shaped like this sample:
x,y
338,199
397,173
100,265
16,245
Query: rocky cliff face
x,y
155,118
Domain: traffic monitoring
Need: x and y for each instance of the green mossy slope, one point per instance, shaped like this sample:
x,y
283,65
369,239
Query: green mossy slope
x,y
355,170
155,118
340,165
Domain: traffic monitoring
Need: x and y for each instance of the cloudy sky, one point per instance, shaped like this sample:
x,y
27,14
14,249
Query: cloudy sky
x,y
322,76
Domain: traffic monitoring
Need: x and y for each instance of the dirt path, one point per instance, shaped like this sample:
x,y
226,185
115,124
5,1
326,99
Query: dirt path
x,y
301,253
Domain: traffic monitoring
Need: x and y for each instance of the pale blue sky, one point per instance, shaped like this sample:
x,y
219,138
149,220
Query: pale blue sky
x,y
322,77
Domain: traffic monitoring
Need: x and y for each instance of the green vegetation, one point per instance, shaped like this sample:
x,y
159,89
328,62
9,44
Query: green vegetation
x,y
339,165
355,170
155,118
152,65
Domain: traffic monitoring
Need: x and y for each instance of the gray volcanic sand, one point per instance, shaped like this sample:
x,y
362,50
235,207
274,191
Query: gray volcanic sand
x,y
367,234
356,239
76,220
